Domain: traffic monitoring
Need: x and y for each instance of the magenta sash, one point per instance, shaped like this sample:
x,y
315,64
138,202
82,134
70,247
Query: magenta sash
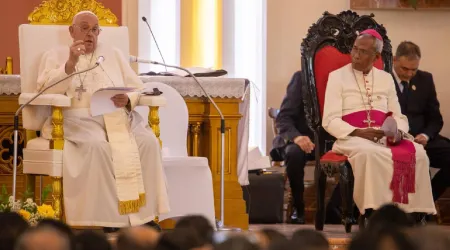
x,y
403,156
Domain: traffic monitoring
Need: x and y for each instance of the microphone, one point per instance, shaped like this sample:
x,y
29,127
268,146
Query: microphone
x,y
154,39
100,59
220,223
139,60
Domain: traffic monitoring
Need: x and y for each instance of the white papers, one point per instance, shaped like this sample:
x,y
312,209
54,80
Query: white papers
x,y
101,102
390,127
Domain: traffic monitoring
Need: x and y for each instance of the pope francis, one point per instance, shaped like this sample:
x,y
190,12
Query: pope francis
x,y
112,174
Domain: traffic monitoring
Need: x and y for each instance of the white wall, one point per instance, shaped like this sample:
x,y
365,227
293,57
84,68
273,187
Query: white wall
x,y
289,20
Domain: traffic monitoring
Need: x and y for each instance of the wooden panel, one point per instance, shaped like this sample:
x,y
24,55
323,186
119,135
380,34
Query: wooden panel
x,y
204,122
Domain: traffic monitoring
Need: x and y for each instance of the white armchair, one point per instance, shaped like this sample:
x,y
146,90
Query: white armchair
x,y
41,156
189,179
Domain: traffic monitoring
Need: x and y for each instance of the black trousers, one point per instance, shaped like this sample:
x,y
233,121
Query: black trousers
x,y
438,151
295,160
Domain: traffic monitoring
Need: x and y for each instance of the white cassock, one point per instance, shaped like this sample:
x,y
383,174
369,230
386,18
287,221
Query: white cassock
x,y
112,172
372,163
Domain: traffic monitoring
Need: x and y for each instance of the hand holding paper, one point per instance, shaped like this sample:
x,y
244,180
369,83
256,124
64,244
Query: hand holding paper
x,y
102,100
391,131
120,100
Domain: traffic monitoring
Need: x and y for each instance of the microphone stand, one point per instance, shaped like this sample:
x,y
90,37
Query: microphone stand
x,y
154,39
221,223
16,121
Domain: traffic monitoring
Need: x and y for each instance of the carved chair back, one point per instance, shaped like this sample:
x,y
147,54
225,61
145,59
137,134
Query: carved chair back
x,y
326,48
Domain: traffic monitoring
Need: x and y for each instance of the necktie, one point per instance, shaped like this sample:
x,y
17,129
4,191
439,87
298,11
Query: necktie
x,y
405,88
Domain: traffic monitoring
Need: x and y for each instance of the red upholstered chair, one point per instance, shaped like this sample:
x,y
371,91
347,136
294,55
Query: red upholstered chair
x,y
326,48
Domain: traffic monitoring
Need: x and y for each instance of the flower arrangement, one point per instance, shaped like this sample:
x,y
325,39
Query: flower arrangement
x,y
26,207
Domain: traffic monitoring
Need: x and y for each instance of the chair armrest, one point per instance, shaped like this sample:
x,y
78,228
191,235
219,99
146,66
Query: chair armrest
x,y
56,100
152,101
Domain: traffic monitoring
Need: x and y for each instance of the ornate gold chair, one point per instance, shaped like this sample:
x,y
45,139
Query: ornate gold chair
x,y
41,156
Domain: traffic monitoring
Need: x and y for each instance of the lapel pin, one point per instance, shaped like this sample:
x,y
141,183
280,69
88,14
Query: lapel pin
x,y
413,87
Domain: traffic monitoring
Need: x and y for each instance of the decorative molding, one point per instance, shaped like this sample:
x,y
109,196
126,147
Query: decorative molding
x,y
6,150
63,11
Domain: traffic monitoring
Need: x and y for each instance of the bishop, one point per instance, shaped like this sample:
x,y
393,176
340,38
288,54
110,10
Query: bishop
x,y
393,171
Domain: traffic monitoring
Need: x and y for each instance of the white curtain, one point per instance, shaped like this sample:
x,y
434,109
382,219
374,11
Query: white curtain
x,y
164,19
244,55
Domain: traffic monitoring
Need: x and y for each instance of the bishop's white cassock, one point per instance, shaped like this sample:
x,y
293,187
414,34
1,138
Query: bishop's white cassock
x,y
347,97
112,173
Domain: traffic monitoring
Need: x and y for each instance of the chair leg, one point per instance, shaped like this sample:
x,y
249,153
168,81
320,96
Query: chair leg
x,y
321,182
346,186
57,197
289,209
362,221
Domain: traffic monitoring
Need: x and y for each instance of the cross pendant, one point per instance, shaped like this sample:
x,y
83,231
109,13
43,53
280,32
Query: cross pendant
x,y
80,91
368,121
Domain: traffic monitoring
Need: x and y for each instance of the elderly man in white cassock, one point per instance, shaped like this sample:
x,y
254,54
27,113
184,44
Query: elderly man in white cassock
x,y
112,173
358,99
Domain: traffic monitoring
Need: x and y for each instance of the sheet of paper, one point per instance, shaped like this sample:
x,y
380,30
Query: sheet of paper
x,y
390,127
101,102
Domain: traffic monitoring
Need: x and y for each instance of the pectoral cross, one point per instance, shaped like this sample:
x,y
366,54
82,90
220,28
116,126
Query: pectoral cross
x,y
80,91
368,121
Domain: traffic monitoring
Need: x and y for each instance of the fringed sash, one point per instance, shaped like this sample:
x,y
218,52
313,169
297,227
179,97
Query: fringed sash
x,y
403,156
126,162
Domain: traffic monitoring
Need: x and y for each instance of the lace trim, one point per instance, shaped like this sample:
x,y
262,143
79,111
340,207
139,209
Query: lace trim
x,y
216,87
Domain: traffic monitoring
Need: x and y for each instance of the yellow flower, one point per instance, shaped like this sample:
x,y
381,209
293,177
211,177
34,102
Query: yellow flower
x,y
46,211
25,214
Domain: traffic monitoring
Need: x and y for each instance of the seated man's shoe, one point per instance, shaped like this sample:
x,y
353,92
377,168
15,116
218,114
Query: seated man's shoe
x,y
108,230
296,218
153,225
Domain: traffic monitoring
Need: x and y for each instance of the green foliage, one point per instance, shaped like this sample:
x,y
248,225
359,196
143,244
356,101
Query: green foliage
x,y
47,190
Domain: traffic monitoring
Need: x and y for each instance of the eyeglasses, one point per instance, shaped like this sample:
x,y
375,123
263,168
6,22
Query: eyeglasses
x,y
86,29
362,51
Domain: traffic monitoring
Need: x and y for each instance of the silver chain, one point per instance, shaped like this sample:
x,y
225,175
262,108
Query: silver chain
x,y
84,78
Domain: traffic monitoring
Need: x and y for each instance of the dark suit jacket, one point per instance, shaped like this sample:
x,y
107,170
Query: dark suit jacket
x,y
290,121
422,106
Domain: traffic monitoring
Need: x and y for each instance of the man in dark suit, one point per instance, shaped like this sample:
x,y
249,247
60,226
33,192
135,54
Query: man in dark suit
x,y
417,96
293,145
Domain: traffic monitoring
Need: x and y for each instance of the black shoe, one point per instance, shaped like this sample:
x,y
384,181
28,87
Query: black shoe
x,y
296,218
154,225
108,230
